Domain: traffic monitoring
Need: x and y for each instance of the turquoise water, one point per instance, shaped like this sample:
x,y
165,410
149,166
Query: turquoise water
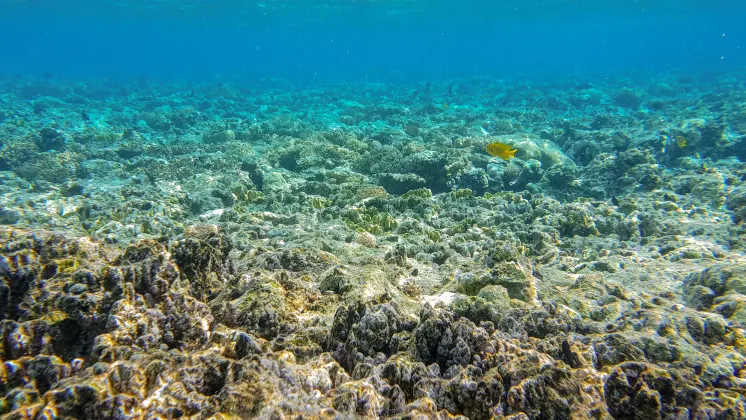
x,y
369,39
372,209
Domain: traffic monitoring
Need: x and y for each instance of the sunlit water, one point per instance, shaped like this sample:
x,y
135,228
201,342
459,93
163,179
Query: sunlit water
x,y
315,39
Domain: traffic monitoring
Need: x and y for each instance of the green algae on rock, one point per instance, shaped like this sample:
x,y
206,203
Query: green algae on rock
x,y
234,256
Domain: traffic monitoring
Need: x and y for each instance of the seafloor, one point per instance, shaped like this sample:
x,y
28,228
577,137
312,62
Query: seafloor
x,y
336,250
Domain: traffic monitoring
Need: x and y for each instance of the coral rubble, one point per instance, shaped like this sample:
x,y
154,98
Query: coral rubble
x,y
219,254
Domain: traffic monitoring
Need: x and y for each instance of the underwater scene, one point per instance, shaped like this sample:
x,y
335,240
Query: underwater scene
x,y
374,209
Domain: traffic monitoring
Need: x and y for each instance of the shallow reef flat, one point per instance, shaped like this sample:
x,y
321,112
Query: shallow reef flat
x,y
259,250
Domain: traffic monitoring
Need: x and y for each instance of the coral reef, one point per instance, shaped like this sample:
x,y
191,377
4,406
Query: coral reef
x,y
215,254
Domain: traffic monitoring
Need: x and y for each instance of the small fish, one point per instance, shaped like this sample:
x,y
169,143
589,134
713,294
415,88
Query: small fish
x,y
450,90
414,94
445,106
85,116
681,141
501,150
412,128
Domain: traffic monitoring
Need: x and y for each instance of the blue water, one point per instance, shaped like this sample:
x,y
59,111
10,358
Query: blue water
x,y
313,39
248,209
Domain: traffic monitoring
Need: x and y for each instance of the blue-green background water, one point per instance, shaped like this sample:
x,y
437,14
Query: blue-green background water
x,y
313,39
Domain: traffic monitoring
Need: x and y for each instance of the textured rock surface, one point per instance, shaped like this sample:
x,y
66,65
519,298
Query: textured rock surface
x,y
219,255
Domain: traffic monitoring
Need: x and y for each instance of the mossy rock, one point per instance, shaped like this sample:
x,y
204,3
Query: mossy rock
x,y
369,219
418,193
518,281
369,191
337,280
262,309
494,293
244,191
219,137
433,235
462,193
319,203
67,265
401,183
471,283
475,309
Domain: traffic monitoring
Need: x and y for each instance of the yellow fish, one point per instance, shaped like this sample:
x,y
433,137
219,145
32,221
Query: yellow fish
x,y
681,141
501,150
445,106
